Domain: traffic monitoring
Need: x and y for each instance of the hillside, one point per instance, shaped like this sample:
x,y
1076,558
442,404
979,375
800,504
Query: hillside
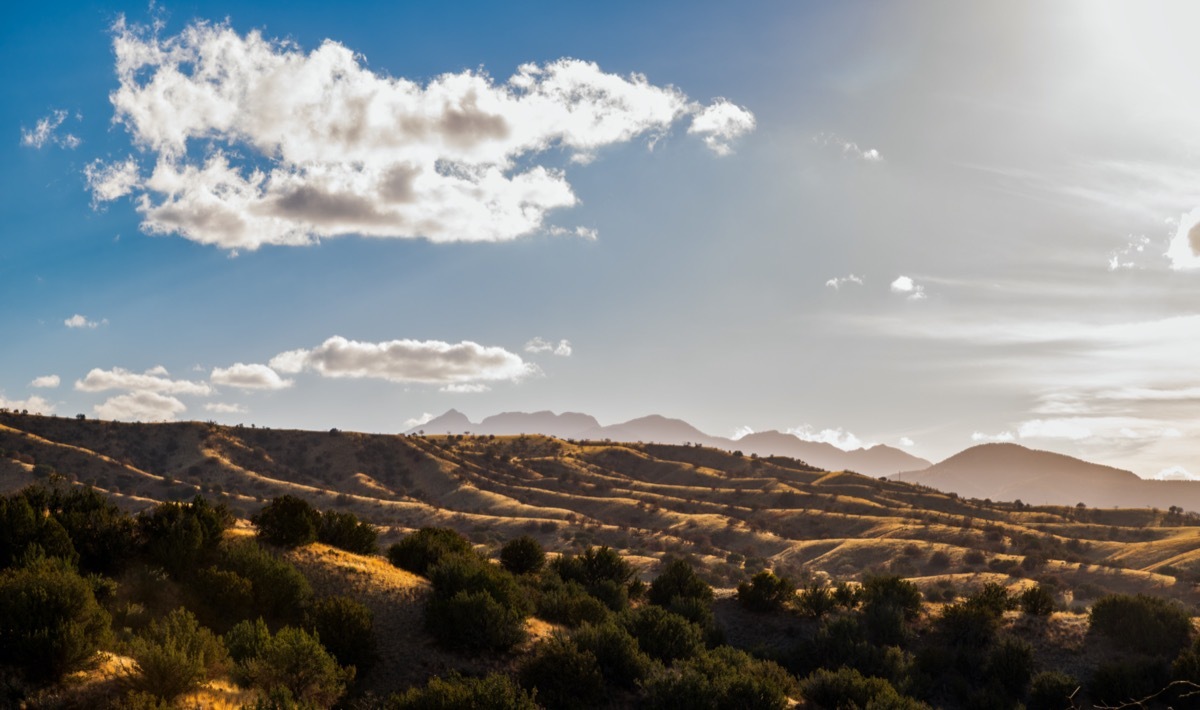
x,y
1010,472
732,513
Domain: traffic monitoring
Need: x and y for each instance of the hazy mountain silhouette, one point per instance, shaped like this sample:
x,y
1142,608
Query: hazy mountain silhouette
x,y
876,461
1012,472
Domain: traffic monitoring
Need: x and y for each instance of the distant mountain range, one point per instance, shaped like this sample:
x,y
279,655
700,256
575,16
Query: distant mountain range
x,y
877,460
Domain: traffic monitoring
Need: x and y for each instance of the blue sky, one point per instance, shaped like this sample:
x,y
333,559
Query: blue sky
x,y
926,226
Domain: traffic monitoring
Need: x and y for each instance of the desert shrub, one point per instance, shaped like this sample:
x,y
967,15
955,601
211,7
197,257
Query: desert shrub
x,y
25,531
847,595
1010,666
617,654
1051,690
699,612
50,623
974,557
847,688
102,534
280,591
423,549
562,675
287,521
493,692
1117,682
460,573
245,641
224,593
842,641
175,654
720,678
892,591
766,592
1037,601
595,565
346,629
523,555
181,537
1151,625
345,531
474,621
992,598
663,635
294,661
967,626
815,600
939,560
678,580
568,603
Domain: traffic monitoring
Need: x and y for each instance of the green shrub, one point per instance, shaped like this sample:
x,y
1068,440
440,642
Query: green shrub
x,y
1010,666
569,604
294,661
347,630
474,621
175,655
894,592
50,623
992,598
345,531
224,593
1118,682
562,675
287,521
766,592
26,531
101,533
663,635
245,642
1037,601
847,688
423,549
617,654
280,591
182,537
595,565
1151,625
1051,690
459,573
523,555
493,692
678,580
815,600
967,626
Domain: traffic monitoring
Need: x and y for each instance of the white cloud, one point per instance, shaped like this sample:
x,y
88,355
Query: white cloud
x,y
1184,249
34,404
908,287
420,361
80,321
46,381
112,181
249,377
46,131
584,232
224,408
301,146
1175,473
465,388
741,432
838,437
720,124
425,418
1002,436
141,406
154,380
906,442
837,282
540,345
849,149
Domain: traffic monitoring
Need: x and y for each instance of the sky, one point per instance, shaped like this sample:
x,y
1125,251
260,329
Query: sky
x,y
928,225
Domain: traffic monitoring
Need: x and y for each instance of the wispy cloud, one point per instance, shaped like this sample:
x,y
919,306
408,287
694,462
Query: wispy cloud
x,y
224,408
539,345
311,145
425,418
46,382
415,361
848,149
837,282
838,437
45,132
81,321
249,377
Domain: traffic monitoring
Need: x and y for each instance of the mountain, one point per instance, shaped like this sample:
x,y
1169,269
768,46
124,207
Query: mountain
x,y
1011,471
877,460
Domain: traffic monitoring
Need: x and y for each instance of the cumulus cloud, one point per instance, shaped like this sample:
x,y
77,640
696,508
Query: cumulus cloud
x,y
34,404
140,406
741,432
425,418
849,149
906,442
46,381
587,233
838,437
721,123
111,181
1184,248
908,287
249,377
81,321
539,345
987,438
837,282
1175,473
45,131
301,146
154,380
415,361
224,408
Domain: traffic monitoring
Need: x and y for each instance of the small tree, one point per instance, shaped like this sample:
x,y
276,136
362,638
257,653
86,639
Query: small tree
x,y
287,521
562,675
175,655
294,661
345,531
1037,601
494,692
1154,626
523,555
346,629
423,549
678,580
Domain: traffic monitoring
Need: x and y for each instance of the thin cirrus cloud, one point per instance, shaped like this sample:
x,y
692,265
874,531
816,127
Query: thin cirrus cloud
x,y
311,145
141,406
407,361
46,382
155,380
249,377
837,282
224,408
540,345
849,149
45,132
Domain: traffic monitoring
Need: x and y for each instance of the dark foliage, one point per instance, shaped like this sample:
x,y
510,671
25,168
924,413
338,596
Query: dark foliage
x,y
766,592
493,692
426,547
181,537
678,580
563,675
287,521
523,555
663,635
346,629
1150,625
345,531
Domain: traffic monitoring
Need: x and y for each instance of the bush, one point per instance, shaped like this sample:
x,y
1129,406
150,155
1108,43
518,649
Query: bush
x,y
423,549
101,533
280,591
967,626
993,598
294,661
493,692
595,565
570,604
181,537
1118,682
847,688
1037,601
287,521
894,592
815,600
345,531
346,629
224,593
24,530
1010,665
245,642
50,622
474,621
1154,626
721,678
617,654
1052,690
562,675
678,580
524,555
175,655
663,635
766,592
